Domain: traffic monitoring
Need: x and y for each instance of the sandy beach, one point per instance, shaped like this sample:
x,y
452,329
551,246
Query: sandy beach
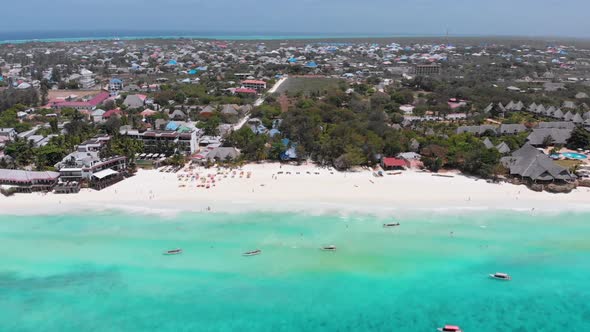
x,y
304,188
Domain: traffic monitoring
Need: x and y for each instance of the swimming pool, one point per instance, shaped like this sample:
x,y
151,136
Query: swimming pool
x,y
573,155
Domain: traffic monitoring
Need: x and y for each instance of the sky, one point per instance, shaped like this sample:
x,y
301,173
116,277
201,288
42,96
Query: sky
x,y
273,17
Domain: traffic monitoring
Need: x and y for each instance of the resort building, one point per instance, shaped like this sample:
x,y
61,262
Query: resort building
x,y
531,164
12,181
85,163
167,141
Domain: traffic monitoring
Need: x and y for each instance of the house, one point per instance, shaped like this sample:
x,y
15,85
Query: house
x,y
112,113
389,163
115,85
230,109
503,148
529,163
135,101
8,133
97,115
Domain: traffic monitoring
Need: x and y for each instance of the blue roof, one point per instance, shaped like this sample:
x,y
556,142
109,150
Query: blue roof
x,y
292,60
116,80
311,64
1,78
172,125
274,132
202,68
172,62
192,72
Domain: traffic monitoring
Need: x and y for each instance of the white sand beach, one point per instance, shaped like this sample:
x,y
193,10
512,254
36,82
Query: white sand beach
x,y
299,188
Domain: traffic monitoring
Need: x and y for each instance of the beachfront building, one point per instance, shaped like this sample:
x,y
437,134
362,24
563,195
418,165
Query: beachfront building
x,y
390,163
180,140
532,165
84,163
12,181
214,154
254,84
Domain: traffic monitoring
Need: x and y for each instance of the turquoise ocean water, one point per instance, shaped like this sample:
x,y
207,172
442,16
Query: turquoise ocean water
x,y
104,271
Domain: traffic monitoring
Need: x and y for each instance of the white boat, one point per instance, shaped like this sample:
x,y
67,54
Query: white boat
x,y
252,253
449,328
177,251
501,276
393,224
329,248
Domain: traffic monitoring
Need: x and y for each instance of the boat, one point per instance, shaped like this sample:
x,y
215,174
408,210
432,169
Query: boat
x,y
329,248
177,251
252,253
500,276
450,328
394,224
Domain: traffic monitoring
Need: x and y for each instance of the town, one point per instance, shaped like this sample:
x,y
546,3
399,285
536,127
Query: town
x,y
90,114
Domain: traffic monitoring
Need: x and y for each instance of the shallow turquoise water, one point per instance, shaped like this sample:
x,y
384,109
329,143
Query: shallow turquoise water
x,y
105,272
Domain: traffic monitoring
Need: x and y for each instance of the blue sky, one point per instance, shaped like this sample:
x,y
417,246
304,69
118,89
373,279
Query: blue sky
x,y
461,17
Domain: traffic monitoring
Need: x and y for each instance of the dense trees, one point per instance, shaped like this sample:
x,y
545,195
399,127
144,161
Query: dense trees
x,y
580,139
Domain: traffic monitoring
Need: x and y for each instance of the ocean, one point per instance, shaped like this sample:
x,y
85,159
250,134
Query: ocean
x,y
8,37
104,271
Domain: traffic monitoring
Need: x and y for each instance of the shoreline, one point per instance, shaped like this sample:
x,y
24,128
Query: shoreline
x,y
307,189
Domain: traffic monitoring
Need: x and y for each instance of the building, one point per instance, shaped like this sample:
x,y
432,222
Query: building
x,y
531,164
389,163
254,84
12,181
85,162
86,80
216,154
135,101
115,85
426,70
80,105
549,136
167,141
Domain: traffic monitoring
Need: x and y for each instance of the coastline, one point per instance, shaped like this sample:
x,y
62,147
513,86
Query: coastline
x,y
329,192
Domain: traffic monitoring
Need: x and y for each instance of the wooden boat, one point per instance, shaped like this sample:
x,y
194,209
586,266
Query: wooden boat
x,y
500,276
450,328
177,251
395,224
252,253
329,248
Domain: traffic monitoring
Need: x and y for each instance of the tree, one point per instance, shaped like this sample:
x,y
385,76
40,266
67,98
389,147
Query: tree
x,y
580,139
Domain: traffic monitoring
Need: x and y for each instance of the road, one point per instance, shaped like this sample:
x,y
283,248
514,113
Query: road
x,y
259,102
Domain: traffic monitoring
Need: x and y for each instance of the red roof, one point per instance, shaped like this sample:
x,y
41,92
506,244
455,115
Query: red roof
x,y
245,90
253,82
110,113
394,162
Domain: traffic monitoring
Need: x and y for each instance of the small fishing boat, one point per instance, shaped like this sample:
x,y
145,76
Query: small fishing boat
x,y
329,248
252,253
177,251
500,276
393,224
449,328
